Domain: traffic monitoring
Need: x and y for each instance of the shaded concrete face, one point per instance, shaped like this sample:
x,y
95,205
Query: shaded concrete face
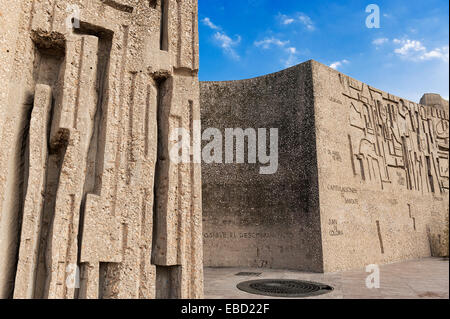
x,y
369,167
86,108
259,220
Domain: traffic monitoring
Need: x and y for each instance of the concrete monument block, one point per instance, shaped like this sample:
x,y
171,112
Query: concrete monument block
x,y
362,179
254,220
90,205
388,195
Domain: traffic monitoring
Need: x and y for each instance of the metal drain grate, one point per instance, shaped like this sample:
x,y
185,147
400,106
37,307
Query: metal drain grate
x,y
248,274
284,288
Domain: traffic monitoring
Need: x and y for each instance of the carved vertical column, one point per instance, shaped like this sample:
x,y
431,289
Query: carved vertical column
x,y
90,100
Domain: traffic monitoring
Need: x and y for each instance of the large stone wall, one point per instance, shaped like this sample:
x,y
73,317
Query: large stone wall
x,y
369,167
256,220
90,91
383,173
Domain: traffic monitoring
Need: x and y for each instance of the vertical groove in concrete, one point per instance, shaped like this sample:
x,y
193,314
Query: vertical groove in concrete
x,y
90,233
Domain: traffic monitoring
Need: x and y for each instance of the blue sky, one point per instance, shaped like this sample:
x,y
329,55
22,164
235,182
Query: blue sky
x,y
407,56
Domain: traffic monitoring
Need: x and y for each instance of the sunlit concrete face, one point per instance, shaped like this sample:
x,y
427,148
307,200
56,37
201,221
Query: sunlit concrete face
x,y
362,178
383,173
90,206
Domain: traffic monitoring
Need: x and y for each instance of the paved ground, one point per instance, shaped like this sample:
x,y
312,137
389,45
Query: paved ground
x,y
425,278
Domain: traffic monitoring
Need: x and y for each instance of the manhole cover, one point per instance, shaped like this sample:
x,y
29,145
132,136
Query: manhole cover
x,y
284,288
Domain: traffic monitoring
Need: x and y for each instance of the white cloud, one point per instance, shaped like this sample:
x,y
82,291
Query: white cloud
x,y
267,42
298,18
336,65
307,22
285,20
292,58
291,52
414,50
228,44
207,21
380,41
408,47
223,40
438,53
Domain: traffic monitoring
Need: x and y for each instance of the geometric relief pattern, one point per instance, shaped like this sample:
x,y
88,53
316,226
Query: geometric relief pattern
x,y
106,214
395,141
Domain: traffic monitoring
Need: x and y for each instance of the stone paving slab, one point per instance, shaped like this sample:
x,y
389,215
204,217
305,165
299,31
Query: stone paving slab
x,y
425,279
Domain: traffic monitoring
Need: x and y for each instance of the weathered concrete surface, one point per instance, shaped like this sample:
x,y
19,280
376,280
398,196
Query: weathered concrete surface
x,y
255,220
433,99
383,174
370,167
85,114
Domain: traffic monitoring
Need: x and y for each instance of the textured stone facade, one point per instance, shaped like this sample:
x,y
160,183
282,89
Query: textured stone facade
x,y
92,207
363,175
255,220
90,91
